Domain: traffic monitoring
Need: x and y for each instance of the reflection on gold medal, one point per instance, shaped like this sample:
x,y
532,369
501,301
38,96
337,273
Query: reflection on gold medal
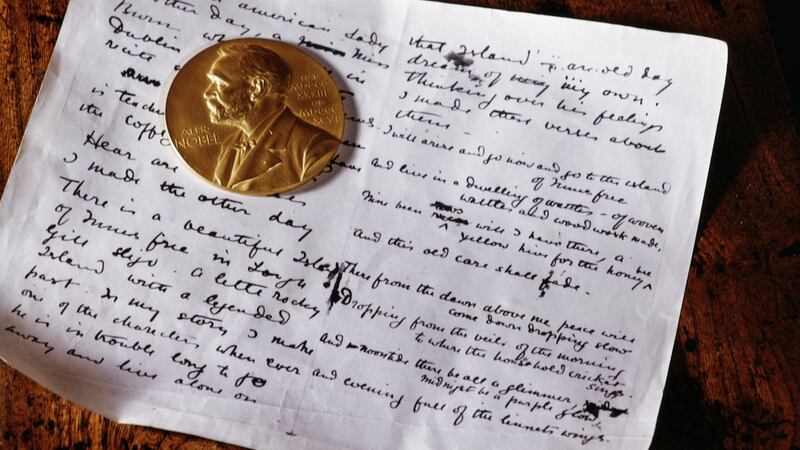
x,y
255,116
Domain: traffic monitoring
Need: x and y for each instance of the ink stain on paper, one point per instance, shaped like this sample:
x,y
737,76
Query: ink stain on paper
x,y
459,60
334,297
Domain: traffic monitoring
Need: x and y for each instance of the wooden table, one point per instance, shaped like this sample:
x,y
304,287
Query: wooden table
x,y
733,381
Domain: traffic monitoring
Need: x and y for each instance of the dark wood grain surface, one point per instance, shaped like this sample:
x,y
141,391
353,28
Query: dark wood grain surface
x,y
735,371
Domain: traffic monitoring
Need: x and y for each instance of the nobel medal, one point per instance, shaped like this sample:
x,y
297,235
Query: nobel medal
x,y
254,116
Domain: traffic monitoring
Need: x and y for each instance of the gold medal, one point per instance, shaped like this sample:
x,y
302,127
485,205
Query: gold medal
x,y
255,116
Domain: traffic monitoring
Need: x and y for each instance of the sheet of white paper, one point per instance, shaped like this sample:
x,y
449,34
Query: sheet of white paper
x,y
497,256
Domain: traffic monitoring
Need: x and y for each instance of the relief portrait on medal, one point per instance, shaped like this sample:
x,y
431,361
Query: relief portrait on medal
x,y
273,147
255,116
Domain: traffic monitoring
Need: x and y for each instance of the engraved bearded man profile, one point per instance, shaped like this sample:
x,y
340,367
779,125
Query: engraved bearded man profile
x,y
273,148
